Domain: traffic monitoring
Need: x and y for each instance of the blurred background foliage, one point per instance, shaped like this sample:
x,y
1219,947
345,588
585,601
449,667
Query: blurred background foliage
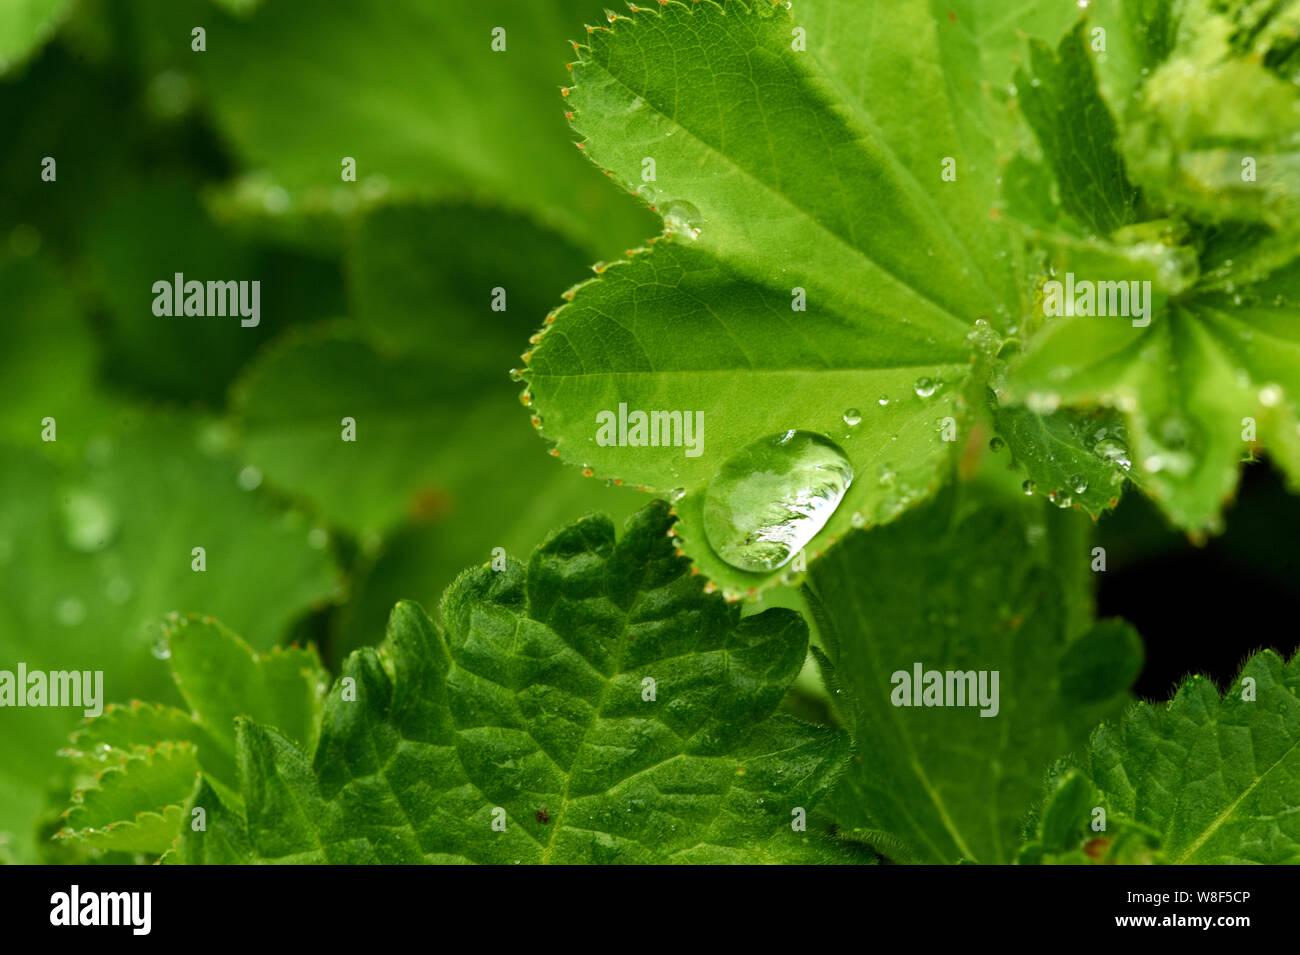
x,y
174,433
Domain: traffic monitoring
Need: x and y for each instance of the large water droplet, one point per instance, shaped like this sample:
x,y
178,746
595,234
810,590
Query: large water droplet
x,y
771,498
853,417
682,221
89,522
925,387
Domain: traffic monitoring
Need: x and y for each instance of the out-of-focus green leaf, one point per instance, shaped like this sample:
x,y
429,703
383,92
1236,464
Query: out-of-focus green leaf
x,y
93,557
25,25
415,93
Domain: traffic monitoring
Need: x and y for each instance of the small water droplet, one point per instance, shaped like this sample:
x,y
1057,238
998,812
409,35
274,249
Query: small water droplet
x,y
161,649
676,494
682,221
1028,487
853,417
250,478
1079,483
89,522
996,444
516,374
882,401
925,387
772,497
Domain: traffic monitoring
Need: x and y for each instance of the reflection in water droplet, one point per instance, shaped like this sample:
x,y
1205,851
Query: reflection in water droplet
x,y
88,521
882,401
161,649
1079,483
69,611
1115,452
1028,487
853,417
925,387
682,221
771,498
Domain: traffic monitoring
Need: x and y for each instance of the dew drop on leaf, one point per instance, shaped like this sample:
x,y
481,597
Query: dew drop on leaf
x,y
772,497
1028,487
682,221
925,387
996,444
1079,484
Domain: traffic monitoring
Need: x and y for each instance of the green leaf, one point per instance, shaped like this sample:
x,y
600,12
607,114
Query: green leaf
x,y
1216,777
1102,662
25,26
532,708
1212,376
1070,828
92,558
44,360
444,470
1072,457
957,587
151,233
136,753
788,176
135,806
1077,134
221,677
418,125
1207,373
